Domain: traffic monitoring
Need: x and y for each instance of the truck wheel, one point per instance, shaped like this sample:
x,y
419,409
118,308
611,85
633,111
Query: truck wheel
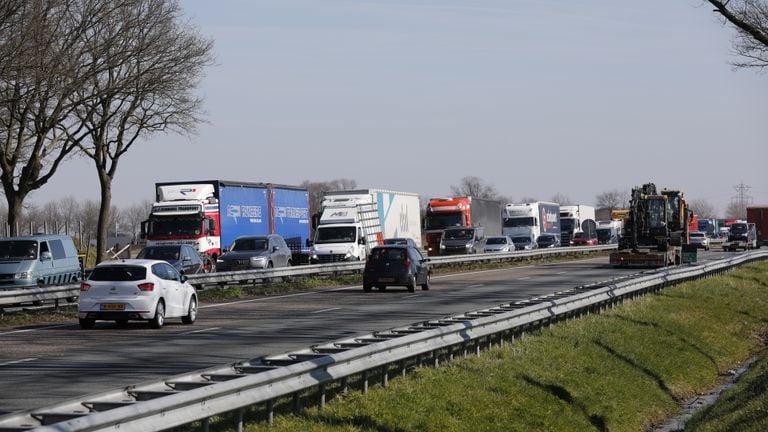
x,y
366,288
412,284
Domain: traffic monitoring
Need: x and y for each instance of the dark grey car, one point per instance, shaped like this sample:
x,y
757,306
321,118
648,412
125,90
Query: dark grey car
x,y
396,265
183,257
255,252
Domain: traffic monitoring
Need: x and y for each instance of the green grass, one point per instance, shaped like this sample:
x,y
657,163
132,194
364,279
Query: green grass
x,y
625,370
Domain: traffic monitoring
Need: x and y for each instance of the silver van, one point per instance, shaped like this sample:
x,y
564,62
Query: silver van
x,y
38,259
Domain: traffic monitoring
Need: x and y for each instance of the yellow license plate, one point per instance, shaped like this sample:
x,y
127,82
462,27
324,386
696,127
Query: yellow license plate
x,y
112,306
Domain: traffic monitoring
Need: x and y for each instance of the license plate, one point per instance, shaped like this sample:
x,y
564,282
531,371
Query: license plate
x,y
386,279
112,306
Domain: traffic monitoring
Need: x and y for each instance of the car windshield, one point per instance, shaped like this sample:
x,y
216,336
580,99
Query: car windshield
x,y
122,273
603,233
388,254
546,239
521,240
165,253
396,241
458,234
335,235
18,249
519,222
496,240
739,228
697,234
249,244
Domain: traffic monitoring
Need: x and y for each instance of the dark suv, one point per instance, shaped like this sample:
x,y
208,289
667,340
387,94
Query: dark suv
x,y
255,252
396,265
183,257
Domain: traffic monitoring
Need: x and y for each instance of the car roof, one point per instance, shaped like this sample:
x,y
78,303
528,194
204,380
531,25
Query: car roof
x,y
134,261
392,246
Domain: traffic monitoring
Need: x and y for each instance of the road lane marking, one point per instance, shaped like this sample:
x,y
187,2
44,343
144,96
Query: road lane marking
x,y
35,329
326,310
414,295
18,361
524,278
561,272
476,286
201,330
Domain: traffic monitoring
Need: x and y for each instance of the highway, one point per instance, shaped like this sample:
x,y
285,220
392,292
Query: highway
x,y
42,365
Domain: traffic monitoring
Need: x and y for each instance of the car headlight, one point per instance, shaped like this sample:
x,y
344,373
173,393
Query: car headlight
x,y
258,259
23,275
442,246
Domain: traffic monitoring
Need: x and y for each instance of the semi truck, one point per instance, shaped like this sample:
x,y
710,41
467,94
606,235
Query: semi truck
x,y
211,214
460,212
354,221
531,220
575,219
758,215
655,231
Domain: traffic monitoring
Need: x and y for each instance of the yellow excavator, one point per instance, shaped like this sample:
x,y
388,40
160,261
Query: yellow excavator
x,y
655,229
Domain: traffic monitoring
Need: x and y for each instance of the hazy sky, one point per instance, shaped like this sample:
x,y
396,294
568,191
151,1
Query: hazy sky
x,y
535,97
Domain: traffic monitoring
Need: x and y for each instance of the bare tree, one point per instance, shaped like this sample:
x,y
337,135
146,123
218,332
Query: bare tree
x,y
703,209
134,215
318,189
613,199
475,187
750,18
528,199
561,199
44,66
153,63
735,210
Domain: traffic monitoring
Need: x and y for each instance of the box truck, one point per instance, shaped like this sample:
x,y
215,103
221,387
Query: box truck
x,y
758,215
354,221
532,220
211,214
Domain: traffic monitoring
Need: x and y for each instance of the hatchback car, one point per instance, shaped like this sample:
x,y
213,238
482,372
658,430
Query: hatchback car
x,y
396,265
547,241
584,239
700,239
524,243
136,289
499,244
255,252
184,257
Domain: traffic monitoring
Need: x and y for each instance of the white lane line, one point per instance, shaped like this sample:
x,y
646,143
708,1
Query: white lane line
x,y
476,286
35,329
263,299
201,330
325,310
561,272
414,295
524,278
18,361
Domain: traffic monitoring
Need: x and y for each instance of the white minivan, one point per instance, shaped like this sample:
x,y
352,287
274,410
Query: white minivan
x,y
39,259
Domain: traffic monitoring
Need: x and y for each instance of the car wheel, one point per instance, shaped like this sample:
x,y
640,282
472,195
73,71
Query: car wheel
x,y
87,323
159,319
412,284
366,288
269,265
191,315
381,287
425,285
121,322
290,263
209,264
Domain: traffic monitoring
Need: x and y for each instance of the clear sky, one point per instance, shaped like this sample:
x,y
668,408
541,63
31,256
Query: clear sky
x,y
535,97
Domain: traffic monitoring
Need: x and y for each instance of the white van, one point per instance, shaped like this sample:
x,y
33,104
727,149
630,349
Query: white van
x,y
38,259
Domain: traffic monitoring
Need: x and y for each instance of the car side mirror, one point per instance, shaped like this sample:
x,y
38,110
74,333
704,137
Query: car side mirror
x,y
225,250
45,256
362,240
184,278
275,248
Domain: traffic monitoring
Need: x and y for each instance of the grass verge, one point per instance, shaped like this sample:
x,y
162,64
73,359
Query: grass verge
x,y
625,370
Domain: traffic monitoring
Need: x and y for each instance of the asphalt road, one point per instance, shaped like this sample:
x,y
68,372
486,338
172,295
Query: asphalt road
x,y
43,365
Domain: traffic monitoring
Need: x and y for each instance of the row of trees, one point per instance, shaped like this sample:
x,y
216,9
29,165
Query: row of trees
x,y
90,78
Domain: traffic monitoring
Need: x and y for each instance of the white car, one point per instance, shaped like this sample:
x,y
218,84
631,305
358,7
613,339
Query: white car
x,y
136,289
700,239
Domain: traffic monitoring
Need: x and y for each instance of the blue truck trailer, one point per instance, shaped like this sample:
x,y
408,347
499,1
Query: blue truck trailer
x,y
211,214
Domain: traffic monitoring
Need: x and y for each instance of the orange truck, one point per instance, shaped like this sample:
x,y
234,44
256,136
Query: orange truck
x,y
466,212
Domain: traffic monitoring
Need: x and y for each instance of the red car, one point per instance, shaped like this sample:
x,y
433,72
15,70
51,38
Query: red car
x,y
584,239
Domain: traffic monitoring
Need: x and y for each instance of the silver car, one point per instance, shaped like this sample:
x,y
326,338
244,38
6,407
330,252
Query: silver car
x,y
255,252
499,244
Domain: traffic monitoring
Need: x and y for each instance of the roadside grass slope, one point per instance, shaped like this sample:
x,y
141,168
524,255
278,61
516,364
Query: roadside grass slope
x,y
627,369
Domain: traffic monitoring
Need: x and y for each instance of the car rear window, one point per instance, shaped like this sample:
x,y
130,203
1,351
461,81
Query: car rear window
x,y
388,254
118,273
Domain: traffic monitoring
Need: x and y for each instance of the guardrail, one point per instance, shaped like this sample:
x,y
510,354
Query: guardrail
x,y
197,396
34,294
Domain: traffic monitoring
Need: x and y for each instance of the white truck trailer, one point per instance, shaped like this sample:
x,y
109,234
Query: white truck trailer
x,y
354,221
531,220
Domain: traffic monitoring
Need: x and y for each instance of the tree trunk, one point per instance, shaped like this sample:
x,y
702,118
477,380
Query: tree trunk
x,y
102,227
15,206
